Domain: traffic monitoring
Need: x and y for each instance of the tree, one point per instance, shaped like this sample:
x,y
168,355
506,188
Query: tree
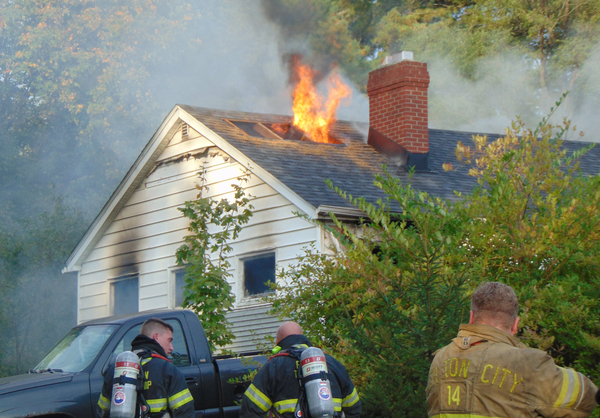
x,y
535,222
213,226
385,302
74,87
33,289
400,287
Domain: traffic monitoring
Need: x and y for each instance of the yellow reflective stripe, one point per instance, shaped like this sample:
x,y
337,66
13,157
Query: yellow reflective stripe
x,y
350,399
581,390
570,390
259,398
157,405
103,402
576,389
286,405
337,404
180,399
461,416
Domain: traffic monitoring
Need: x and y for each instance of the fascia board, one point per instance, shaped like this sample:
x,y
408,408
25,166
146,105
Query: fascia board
x,y
124,190
240,157
344,211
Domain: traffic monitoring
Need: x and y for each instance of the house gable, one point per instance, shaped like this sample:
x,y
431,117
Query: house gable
x,y
140,228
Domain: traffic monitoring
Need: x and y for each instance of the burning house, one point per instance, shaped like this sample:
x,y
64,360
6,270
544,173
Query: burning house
x,y
126,260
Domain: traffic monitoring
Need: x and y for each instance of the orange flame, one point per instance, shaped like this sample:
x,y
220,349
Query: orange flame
x,y
309,113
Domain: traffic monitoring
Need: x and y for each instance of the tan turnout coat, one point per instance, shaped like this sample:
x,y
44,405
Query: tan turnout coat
x,y
486,372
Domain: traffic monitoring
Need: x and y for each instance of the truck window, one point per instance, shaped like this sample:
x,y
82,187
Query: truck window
x,y
77,349
180,355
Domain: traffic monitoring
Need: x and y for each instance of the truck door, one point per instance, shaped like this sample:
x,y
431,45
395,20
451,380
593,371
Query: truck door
x,y
180,358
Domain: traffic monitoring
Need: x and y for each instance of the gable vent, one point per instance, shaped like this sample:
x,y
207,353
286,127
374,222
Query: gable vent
x,y
184,131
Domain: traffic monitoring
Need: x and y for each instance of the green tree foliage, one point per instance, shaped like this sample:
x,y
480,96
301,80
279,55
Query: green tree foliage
x,y
214,224
386,301
35,296
400,287
536,226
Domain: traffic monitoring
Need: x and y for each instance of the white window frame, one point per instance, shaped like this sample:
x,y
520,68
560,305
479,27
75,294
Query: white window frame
x,y
242,273
172,281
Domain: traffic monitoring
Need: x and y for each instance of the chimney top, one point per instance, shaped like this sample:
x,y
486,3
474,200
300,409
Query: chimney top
x,y
398,57
398,110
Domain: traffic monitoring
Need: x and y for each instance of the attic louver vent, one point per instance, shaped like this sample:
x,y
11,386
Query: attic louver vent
x,y
275,131
184,131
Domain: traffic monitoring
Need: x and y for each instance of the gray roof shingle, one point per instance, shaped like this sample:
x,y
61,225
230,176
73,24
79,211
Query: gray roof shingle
x,y
352,166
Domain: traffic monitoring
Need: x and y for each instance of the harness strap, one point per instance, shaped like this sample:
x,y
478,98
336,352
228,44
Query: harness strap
x,y
280,354
156,355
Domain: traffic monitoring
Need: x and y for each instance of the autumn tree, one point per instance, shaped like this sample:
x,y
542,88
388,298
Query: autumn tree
x,y
400,288
73,87
535,224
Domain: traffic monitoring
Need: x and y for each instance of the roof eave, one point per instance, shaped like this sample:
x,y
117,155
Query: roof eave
x,y
340,211
256,169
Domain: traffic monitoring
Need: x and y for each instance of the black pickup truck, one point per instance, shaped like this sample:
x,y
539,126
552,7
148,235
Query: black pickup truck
x,y
67,382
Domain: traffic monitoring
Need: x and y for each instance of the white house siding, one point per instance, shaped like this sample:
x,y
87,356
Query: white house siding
x,y
147,231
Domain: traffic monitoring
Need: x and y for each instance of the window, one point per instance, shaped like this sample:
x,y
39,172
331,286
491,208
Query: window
x,y
125,295
259,271
179,286
180,355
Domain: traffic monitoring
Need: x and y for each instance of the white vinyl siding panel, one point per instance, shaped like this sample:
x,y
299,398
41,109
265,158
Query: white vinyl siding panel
x,y
253,328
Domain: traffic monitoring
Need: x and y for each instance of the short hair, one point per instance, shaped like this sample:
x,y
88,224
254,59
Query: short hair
x,y
495,302
154,325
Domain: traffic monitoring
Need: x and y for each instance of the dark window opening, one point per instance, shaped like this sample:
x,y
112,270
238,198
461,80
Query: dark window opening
x,y
259,272
276,131
126,297
179,286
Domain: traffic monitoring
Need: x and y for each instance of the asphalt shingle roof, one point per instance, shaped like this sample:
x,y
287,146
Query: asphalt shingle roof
x,y
352,166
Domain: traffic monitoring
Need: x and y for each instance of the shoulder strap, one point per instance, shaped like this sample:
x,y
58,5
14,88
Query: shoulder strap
x,y
156,355
144,354
143,410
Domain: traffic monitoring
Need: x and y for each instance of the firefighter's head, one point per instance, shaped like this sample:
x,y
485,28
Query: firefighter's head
x,y
160,331
495,304
288,328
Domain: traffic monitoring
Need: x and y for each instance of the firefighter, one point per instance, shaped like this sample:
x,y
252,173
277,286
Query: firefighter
x,y
275,389
164,388
487,372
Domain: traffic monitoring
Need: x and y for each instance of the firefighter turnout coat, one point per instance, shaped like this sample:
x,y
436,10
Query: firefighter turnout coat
x,y
486,372
165,389
276,388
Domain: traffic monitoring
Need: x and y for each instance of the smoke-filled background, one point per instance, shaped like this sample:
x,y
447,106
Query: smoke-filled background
x,y
84,84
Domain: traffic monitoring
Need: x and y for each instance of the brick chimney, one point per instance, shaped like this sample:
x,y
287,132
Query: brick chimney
x,y
398,110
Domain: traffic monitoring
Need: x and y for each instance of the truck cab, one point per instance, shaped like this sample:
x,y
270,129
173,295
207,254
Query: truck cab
x,y
68,381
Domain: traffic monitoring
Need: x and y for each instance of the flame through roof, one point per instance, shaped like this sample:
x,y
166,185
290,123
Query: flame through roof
x,y
276,131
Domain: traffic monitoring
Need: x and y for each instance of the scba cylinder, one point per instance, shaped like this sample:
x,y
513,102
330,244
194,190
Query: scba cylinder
x,y
124,393
316,383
